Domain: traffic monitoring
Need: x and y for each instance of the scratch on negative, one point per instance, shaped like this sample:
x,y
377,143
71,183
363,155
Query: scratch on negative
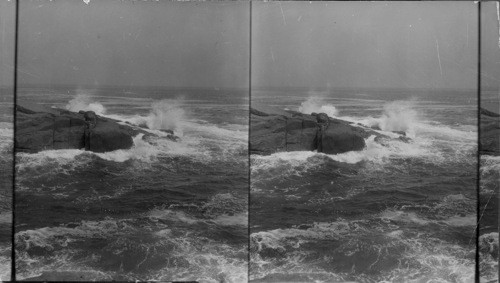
x,y
283,14
20,70
498,19
467,35
439,58
29,74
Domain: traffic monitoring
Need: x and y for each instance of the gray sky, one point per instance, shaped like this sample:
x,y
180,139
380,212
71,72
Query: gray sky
x,y
365,44
490,46
7,26
146,43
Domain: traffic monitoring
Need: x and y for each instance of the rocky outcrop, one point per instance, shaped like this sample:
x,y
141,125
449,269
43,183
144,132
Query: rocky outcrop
x,y
273,130
40,128
489,135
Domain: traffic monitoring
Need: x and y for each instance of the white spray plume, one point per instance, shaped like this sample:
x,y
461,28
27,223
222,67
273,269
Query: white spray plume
x,y
166,114
398,116
84,102
317,105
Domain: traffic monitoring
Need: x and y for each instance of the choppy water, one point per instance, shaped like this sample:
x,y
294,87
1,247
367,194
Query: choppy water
x,y
397,213
403,212
172,211
488,239
6,144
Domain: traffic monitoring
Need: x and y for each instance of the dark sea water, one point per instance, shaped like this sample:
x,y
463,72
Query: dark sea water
x,y
489,196
399,212
171,211
6,144
488,239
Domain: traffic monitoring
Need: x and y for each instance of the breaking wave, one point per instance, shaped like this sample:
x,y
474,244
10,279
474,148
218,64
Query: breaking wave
x,y
399,255
387,242
155,246
203,142
166,114
488,264
398,116
317,105
83,101
5,263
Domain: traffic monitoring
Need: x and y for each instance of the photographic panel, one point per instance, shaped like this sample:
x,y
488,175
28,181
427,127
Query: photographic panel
x,y
363,141
489,142
131,141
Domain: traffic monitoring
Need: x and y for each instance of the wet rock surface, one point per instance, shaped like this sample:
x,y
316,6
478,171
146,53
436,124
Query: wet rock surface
x,y
274,130
41,128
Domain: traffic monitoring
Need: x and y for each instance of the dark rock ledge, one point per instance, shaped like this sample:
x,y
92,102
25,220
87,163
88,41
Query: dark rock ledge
x,y
273,130
41,128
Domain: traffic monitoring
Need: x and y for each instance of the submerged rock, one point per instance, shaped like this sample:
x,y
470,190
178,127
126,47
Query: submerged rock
x,y
40,128
275,130
489,139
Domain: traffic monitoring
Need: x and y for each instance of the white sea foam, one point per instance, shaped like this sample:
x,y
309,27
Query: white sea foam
x,y
200,258
6,129
286,163
5,264
301,161
172,215
490,164
239,219
278,239
6,137
226,202
6,217
215,262
402,216
488,243
223,209
424,256
52,161
141,150
488,257
279,251
380,153
413,217
461,221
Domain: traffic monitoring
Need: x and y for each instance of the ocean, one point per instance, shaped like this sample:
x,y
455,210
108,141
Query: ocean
x,y
399,212
489,196
488,237
6,170
169,211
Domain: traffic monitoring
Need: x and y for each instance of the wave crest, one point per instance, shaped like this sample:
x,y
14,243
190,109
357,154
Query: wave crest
x,y
166,114
317,105
83,101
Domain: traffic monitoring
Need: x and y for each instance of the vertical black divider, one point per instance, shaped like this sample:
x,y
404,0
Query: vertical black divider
x,y
478,163
249,132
